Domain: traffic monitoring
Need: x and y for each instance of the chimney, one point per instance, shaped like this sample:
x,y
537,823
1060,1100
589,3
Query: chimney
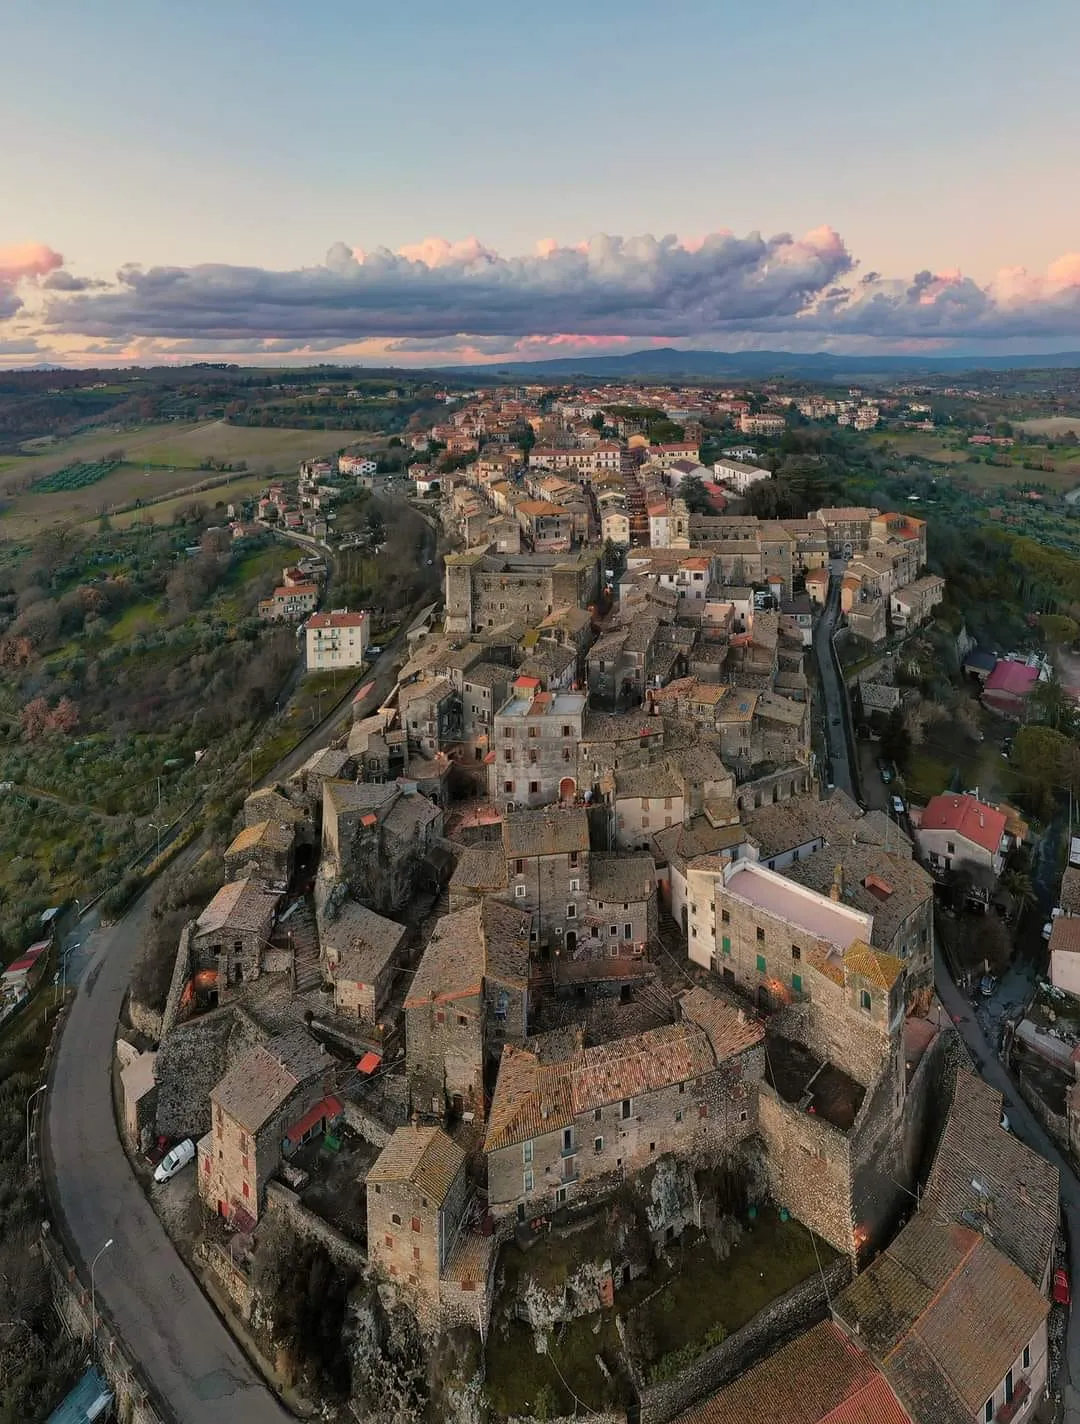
x,y
836,889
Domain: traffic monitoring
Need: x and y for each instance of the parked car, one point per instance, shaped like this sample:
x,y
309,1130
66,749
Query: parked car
x,y
1062,1291
898,806
374,651
886,772
1048,930
987,985
174,1160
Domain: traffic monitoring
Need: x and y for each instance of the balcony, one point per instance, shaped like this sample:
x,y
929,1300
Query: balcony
x,y
1016,1405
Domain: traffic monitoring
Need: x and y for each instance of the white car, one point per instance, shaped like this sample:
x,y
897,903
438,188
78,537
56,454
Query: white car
x,y
176,1158
898,806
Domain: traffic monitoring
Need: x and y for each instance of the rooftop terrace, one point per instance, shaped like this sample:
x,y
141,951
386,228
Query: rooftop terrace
x,y
818,915
813,1086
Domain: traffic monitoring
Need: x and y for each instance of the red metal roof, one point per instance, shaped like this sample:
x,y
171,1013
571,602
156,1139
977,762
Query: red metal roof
x,y
1012,677
369,1063
964,816
324,1110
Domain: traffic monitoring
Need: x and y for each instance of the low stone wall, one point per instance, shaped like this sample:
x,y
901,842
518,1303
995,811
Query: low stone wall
x,y
281,1202
1056,1124
144,1020
367,1126
73,1304
790,1314
180,976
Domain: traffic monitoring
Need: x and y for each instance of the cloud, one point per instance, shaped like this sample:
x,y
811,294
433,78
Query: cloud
x,y
461,300
610,286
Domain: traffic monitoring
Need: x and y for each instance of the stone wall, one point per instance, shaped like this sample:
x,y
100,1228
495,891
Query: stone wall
x,y
145,1020
809,1169
191,1061
287,1207
1056,1124
367,1126
182,970
789,1315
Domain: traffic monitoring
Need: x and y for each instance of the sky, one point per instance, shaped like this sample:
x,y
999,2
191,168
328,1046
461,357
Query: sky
x,y
428,183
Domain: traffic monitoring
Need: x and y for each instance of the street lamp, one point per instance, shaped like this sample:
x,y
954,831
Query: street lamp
x,y
93,1292
29,1100
155,826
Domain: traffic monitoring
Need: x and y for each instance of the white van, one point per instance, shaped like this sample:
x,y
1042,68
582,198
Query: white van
x,y
176,1158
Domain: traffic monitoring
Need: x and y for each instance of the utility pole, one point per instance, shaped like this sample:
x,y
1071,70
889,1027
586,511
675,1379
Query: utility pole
x,y
29,1100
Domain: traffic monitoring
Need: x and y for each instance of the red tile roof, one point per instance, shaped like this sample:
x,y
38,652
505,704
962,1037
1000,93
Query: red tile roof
x,y
337,620
965,816
819,1378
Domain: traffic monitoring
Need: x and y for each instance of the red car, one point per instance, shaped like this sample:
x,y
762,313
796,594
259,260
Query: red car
x,y
1062,1293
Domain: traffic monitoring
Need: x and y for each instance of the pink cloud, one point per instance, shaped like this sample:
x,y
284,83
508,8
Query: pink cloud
x,y
27,259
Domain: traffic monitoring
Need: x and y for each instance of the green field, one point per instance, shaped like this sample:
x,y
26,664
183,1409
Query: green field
x,y
227,491
1052,425
74,477
922,444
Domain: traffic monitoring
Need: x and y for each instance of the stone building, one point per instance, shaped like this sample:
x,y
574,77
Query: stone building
x,y
470,995
233,931
620,909
430,714
490,590
360,954
480,871
533,757
547,871
569,1126
380,840
644,800
418,1198
263,850
278,1092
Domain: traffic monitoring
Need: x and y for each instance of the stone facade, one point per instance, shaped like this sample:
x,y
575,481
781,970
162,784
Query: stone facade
x,y
534,747
232,932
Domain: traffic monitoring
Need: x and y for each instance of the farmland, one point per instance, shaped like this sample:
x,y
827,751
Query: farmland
x,y
1053,425
74,477
157,460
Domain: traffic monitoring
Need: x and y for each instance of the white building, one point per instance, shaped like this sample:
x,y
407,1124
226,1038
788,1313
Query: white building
x,y
359,466
337,639
738,476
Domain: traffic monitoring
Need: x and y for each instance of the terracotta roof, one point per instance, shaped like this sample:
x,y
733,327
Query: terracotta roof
x,y
481,867
965,816
1017,1198
537,1098
488,937
731,1029
548,831
1065,935
622,878
819,1378
337,620
264,1078
362,941
242,905
874,965
271,835
424,1156
1012,677
945,1314
1069,896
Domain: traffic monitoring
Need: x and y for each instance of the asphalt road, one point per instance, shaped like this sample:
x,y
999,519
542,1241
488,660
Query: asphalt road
x,y
833,695
187,1355
1022,1121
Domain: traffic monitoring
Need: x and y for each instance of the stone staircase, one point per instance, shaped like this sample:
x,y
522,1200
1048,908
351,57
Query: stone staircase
x,y
300,934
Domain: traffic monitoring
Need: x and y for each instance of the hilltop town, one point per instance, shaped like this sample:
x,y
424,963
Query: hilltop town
x,y
573,1011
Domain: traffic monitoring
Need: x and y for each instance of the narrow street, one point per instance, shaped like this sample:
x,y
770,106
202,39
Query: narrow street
x,y
834,696
1023,1123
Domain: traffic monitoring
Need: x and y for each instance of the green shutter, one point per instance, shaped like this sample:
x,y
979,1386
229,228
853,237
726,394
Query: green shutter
x,y
761,964
796,983
725,944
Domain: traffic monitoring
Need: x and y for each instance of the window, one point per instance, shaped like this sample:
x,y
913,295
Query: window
x,y
416,1253
703,1110
440,1017
652,1146
527,1181
533,732
532,758
725,917
796,952
244,1159
247,1190
462,1020
527,1153
598,1145
678,1114
568,1139
519,867
725,944
644,821
508,756
598,1113
760,935
761,964
395,1218
573,860
575,886
625,1109
951,850
388,1240
865,1001
519,892
988,1409
568,731
508,731
571,912
566,754
796,983
508,786
534,788
1027,1357
613,930
560,1195
628,931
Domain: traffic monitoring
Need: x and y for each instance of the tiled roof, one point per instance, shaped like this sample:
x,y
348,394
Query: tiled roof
x,y
363,941
242,904
1065,935
874,965
424,1156
337,620
1069,897
264,1078
480,867
964,816
345,796
819,1378
1018,1189
945,1314
1012,677
269,835
731,1029
506,942
537,1098
548,831
452,965
621,879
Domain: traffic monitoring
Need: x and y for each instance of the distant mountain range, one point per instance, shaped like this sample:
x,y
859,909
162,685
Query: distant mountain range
x,y
669,363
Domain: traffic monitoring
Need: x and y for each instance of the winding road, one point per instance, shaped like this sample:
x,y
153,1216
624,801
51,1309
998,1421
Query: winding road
x,y
196,1371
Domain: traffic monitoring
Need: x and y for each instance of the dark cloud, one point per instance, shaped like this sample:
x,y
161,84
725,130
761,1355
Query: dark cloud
x,y
62,281
637,287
